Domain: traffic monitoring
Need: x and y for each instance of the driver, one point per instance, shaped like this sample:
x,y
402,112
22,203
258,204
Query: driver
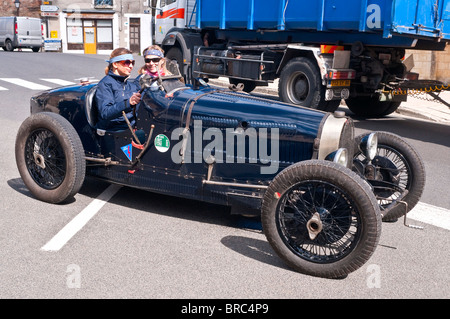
x,y
116,93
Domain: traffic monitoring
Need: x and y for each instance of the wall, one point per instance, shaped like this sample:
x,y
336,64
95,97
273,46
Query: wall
x,y
431,65
28,8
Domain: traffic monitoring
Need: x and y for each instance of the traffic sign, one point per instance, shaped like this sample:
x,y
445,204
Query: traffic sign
x,y
46,8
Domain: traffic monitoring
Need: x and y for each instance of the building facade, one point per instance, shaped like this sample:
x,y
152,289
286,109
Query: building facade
x,y
89,26
99,26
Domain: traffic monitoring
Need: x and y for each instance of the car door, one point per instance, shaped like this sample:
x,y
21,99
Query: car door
x,y
35,32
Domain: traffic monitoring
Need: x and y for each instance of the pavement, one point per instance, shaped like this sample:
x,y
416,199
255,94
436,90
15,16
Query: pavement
x,y
422,106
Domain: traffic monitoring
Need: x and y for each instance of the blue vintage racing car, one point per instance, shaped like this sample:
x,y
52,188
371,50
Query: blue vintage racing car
x,y
321,192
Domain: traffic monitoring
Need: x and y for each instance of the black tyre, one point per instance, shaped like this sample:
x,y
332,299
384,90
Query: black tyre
x,y
175,54
9,45
249,86
396,173
371,108
321,218
50,157
36,49
300,83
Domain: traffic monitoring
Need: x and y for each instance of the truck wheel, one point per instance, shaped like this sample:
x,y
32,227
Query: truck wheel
x,y
321,218
300,83
50,157
396,174
370,107
248,85
175,53
35,49
9,46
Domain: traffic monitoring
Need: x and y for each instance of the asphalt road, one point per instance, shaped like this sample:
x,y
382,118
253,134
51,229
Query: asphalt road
x,y
144,245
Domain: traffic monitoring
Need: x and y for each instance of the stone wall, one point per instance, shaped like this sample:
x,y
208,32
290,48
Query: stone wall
x,y
433,65
28,8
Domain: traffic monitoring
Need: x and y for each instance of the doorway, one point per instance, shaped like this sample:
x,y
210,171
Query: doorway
x,y
90,43
135,35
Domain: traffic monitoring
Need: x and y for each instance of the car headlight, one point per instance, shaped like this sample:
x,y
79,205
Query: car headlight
x,y
340,156
369,145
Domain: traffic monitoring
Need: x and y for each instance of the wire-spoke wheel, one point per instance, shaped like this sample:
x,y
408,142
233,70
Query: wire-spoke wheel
x,y
396,174
50,157
314,221
321,218
45,159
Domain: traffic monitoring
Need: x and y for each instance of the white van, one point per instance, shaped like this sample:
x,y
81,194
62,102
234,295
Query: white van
x,y
21,32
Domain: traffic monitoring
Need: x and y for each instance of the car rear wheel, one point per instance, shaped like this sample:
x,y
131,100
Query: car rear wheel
x,y
321,218
50,157
9,45
397,174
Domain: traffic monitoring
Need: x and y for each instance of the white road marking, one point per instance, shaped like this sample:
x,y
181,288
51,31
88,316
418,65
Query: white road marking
x,y
25,83
3,89
78,222
59,81
429,214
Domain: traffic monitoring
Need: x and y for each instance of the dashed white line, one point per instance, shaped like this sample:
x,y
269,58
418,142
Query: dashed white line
x,y
25,83
78,222
59,81
432,215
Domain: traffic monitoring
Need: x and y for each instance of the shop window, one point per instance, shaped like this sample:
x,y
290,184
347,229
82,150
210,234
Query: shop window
x,y
104,35
74,34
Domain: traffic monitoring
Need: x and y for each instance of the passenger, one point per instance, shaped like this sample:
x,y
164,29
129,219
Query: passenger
x,y
155,63
116,93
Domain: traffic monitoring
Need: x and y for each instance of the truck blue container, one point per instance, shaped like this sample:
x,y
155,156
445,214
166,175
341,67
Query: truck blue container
x,y
369,21
321,51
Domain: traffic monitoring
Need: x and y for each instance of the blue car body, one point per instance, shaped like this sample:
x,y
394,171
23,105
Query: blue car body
x,y
224,110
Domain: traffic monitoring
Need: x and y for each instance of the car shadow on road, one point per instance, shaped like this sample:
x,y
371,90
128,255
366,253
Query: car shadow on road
x,y
198,211
256,249
18,185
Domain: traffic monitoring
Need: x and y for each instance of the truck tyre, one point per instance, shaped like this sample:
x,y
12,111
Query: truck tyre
x,y
9,46
371,108
248,85
399,171
300,83
321,218
50,157
175,54
36,49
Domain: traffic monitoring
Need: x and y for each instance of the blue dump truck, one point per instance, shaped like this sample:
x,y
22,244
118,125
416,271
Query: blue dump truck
x,y
322,51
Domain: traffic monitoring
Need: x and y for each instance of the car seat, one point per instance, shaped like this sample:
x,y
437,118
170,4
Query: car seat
x,y
91,107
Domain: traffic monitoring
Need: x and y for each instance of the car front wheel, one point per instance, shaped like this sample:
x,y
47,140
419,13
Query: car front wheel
x,y
396,173
321,218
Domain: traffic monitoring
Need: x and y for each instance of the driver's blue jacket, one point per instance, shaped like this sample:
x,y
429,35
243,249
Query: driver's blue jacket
x,y
112,97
